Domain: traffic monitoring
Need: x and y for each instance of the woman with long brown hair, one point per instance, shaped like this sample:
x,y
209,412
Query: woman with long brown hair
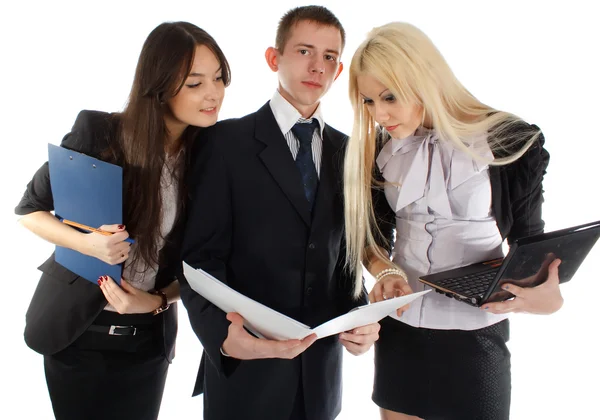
x,y
107,348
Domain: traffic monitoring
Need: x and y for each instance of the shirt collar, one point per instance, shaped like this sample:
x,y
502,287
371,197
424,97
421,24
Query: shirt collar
x,y
286,115
171,159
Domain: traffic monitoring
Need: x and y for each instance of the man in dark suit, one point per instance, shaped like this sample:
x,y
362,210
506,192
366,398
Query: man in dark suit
x,y
266,217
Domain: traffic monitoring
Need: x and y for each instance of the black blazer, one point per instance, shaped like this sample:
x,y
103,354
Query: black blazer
x,y
250,226
64,305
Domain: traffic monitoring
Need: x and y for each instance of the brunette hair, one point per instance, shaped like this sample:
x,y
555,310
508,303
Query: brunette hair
x,y
165,61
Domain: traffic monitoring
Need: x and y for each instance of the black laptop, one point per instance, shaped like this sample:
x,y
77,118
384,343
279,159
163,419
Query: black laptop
x,y
526,265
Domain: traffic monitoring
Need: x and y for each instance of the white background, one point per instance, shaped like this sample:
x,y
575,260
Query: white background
x,y
537,60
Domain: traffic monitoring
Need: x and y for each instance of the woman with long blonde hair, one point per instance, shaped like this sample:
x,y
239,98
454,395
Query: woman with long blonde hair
x,y
438,180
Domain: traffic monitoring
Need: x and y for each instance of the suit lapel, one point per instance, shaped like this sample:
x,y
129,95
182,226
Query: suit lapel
x,y
279,161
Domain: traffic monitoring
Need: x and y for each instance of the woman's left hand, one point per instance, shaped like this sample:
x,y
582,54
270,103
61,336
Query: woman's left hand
x,y
127,299
543,299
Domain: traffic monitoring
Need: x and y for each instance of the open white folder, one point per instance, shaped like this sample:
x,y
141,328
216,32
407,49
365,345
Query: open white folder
x,y
268,323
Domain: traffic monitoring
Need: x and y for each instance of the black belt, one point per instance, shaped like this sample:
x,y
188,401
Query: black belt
x,y
120,329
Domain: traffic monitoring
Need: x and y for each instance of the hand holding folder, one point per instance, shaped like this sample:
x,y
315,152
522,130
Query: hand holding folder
x,y
267,323
87,192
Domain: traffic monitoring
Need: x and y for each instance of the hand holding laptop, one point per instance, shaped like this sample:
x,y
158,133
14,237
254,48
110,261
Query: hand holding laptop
x,y
542,299
528,276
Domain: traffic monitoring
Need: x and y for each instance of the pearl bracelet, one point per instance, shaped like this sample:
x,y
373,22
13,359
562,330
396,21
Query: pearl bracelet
x,y
223,352
391,272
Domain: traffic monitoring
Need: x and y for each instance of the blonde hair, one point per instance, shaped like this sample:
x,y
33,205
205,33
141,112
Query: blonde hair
x,y
405,61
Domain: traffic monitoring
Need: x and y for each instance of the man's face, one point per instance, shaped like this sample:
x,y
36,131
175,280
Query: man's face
x,y
309,63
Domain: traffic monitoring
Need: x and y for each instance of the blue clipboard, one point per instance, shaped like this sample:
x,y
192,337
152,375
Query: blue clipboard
x,y
87,191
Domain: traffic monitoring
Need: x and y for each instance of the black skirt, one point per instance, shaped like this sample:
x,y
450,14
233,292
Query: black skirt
x,y
443,374
103,376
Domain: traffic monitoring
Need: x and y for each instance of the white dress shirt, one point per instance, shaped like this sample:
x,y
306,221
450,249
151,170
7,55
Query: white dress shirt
x,y
442,200
286,116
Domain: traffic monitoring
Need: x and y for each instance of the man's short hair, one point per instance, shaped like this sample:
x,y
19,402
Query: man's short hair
x,y
318,14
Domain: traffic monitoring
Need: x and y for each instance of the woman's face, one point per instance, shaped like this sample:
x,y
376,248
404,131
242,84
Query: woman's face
x,y
399,119
199,100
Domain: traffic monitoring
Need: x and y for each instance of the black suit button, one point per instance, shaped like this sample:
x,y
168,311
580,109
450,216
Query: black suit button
x,y
309,291
311,246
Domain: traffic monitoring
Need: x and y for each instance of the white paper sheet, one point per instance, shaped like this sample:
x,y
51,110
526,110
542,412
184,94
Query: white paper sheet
x,y
268,323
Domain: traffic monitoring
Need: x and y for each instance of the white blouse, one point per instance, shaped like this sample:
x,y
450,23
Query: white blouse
x,y
442,200
141,275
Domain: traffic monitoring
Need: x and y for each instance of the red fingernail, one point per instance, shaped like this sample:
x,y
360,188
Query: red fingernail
x,y
121,227
99,281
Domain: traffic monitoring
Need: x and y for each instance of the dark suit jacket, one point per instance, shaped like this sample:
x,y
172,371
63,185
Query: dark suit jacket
x,y
64,305
250,226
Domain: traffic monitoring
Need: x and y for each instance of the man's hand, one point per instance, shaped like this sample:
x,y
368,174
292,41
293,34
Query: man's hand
x,y
241,345
360,340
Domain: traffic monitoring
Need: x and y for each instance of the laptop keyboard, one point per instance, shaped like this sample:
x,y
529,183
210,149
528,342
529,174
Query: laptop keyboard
x,y
470,285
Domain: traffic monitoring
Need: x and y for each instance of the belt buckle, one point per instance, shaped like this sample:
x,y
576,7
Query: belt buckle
x,y
114,329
